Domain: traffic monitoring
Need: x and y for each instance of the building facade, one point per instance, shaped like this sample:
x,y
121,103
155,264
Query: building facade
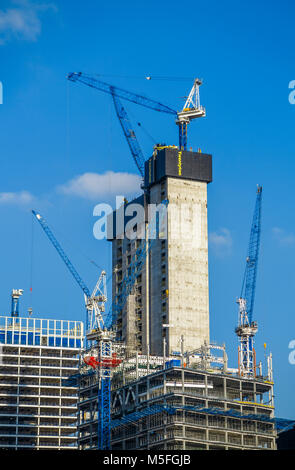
x,y
38,407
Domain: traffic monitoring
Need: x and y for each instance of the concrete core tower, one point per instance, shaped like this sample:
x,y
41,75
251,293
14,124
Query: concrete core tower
x,y
170,298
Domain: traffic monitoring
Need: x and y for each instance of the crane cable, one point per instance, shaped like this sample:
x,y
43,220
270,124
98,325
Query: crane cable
x,y
146,77
31,263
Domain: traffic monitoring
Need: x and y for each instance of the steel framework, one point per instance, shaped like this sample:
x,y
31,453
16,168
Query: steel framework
x,y
247,328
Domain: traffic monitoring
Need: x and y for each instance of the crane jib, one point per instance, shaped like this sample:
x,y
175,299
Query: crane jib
x,y
121,93
61,252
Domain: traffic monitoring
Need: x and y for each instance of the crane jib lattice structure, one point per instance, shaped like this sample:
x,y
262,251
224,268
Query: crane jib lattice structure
x,y
94,302
247,328
191,110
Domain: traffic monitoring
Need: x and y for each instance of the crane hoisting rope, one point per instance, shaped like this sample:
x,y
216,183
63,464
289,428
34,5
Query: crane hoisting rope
x,y
32,260
147,133
145,77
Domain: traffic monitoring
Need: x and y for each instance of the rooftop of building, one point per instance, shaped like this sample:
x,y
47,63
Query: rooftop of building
x,y
28,331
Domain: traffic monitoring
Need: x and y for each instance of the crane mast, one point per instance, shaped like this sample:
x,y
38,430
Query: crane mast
x,y
95,330
247,328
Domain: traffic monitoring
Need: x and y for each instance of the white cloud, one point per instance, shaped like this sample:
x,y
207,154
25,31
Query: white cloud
x,y
283,237
19,198
95,185
221,241
23,21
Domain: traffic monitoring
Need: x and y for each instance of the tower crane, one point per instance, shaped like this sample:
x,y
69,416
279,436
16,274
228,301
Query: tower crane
x,y
96,329
94,302
95,307
247,328
129,133
191,110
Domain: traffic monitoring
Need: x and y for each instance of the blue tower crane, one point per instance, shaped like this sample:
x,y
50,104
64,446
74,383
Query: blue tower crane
x,y
247,328
191,110
65,259
95,307
96,329
95,301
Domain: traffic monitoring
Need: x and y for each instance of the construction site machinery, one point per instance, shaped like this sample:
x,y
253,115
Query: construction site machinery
x,y
191,110
94,302
100,355
247,328
95,307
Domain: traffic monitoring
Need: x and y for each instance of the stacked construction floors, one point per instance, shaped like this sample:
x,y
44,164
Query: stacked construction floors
x,y
179,406
38,407
172,389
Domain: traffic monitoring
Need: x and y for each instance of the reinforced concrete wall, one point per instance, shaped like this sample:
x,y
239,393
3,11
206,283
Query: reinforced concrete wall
x,y
179,268
170,295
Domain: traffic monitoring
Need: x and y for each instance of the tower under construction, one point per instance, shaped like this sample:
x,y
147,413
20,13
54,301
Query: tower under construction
x,y
192,401
171,294
171,387
150,379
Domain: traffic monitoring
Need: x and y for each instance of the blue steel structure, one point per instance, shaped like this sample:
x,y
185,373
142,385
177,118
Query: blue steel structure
x,y
105,354
155,229
93,82
129,134
249,281
116,94
247,328
104,345
280,424
141,100
105,335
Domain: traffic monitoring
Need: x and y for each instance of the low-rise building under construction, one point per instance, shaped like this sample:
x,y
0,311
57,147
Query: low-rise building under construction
x,y
180,404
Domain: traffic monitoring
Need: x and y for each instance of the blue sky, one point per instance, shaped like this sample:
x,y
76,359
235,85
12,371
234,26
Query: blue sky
x,y
53,133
